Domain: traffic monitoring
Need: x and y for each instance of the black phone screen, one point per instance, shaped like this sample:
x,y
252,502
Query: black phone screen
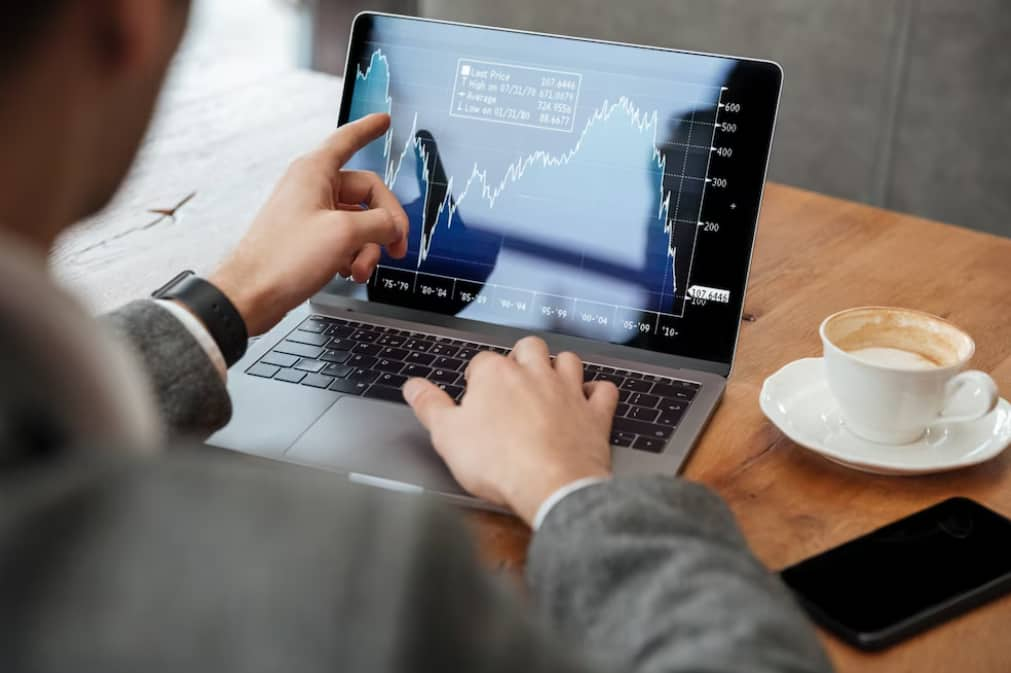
x,y
907,575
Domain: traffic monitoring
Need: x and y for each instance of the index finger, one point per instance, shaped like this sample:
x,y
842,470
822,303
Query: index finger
x,y
348,139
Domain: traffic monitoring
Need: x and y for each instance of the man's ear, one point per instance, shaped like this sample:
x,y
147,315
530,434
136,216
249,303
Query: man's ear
x,y
136,36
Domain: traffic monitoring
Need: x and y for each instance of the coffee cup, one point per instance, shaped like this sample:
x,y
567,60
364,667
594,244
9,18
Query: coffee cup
x,y
897,372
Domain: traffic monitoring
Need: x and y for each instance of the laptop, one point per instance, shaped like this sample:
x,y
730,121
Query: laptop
x,y
602,196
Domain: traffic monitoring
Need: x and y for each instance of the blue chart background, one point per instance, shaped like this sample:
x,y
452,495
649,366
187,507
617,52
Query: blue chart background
x,y
590,232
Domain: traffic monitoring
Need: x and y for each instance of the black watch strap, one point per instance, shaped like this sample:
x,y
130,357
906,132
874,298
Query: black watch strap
x,y
213,308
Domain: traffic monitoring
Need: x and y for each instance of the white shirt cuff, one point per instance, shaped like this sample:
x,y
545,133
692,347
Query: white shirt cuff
x,y
200,333
562,494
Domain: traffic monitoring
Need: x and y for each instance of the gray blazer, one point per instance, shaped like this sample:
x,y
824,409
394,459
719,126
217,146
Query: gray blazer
x,y
198,560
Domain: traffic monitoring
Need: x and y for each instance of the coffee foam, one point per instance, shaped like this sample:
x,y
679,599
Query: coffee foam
x,y
893,358
927,337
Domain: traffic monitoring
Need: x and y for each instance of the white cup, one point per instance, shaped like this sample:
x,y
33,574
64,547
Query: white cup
x,y
896,372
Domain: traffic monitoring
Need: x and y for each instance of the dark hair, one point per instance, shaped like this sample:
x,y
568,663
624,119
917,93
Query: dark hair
x,y
23,20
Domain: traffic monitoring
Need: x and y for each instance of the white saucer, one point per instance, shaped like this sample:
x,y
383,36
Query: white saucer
x,y
797,400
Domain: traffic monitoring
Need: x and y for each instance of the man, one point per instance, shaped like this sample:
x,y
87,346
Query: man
x,y
121,550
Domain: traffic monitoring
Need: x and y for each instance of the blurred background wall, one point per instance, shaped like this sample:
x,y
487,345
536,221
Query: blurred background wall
x,y
904,104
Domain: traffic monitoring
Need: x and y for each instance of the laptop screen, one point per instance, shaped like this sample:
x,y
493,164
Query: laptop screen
x,y
590,189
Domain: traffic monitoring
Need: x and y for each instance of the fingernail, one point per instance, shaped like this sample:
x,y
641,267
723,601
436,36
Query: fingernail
x,y
411,389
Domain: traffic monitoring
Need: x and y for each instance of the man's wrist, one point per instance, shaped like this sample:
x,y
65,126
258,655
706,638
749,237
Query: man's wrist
x,y
198,329
527,502
561,494
212,308
245,297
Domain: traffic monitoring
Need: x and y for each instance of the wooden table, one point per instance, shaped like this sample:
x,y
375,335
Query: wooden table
x,y
224,136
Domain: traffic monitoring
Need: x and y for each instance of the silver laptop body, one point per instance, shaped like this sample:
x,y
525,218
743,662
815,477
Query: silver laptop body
x,y
292,393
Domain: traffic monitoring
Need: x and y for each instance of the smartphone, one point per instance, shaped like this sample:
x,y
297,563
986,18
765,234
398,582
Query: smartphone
x,y
907,576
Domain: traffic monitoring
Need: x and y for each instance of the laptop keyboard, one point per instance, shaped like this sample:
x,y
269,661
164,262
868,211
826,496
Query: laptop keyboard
x,y
373,361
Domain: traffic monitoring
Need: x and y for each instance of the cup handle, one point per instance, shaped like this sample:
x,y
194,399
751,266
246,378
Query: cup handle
x,y
984,395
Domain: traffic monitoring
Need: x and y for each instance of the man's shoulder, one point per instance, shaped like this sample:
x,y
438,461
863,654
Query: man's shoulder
x,y
263,559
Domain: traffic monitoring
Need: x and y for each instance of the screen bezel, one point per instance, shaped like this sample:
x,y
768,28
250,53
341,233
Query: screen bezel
x,y
873,640
330,296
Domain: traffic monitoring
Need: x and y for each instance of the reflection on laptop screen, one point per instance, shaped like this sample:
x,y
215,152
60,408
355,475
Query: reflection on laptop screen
x,y
584,188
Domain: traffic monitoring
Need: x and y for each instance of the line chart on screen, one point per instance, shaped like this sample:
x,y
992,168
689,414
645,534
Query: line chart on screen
x,y
505,161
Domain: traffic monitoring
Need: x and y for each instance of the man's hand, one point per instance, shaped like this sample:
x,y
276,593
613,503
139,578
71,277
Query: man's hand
x,y
321,221
526,426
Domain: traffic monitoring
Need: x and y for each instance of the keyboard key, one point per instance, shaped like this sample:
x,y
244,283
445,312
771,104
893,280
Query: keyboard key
x,y
364,336
342,345
417,345
385,365
392,380
313,325
622,438
391,340
456,392
636,385
363,376
367,349
341,331
634,375
301,350
361,361
443,376
670,419
290,376
673,406
588,374
337,371
641,428
624,395
466,353
686,395
644,414
649,444
622,410
613,378
389,353
263,371
663,390
418,358
349,387
387,393
444,349
643,400
448,363
279,359
317,380
416,370
310,365
337,357
311,338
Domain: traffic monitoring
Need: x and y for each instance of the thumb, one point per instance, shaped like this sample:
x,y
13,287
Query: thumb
x,y
603,398
427,400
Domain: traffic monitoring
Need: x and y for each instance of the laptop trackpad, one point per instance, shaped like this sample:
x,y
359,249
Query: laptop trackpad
x,y
378,439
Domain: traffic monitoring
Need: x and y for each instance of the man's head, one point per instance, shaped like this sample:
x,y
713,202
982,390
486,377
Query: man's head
x,y
78,83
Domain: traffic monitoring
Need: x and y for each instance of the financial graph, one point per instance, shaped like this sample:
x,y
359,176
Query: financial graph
x,y
594,235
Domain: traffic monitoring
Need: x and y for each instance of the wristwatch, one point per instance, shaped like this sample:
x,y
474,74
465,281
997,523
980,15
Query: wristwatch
x,y
213,309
